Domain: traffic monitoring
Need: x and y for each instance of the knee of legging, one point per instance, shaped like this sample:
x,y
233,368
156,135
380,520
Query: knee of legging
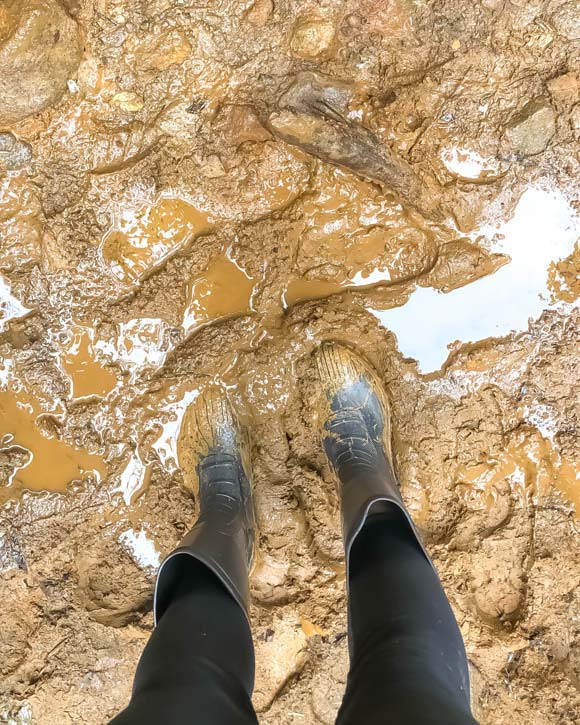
x,y
425,638
414,702
194,671
406,657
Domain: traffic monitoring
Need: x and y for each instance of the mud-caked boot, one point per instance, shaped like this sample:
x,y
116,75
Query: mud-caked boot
x,y
354,414
214,455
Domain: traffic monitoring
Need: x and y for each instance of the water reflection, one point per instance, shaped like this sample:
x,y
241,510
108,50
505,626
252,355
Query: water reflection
x,y
10,307
544,228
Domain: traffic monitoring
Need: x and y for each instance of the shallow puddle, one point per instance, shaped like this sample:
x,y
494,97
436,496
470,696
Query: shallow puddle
x,y
468,165
132,480
137,346
51,464
88,376
302,290
141,239
224,289
141,548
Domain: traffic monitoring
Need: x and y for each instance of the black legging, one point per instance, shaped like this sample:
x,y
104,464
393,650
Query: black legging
x,y
408,663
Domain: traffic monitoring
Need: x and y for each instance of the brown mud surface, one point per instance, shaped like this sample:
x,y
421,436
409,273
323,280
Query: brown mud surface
x,y
194,193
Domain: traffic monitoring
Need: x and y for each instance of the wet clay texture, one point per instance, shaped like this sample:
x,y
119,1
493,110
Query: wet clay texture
x,y
196,193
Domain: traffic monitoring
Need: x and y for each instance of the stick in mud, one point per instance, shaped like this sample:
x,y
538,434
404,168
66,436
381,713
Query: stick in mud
x,y
311,117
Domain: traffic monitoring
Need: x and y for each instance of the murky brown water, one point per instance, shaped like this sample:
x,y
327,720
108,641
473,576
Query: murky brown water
x,y
192,194
47,462
143,239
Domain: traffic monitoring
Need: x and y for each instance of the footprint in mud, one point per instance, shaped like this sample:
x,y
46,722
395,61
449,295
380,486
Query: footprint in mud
x,y
19,618
329,683
281,654
510,494
497,527
500,584
500,567
39,52
322,510
112,587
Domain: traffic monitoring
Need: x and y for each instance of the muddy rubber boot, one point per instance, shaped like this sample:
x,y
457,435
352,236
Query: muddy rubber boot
x,y
355,420
223,536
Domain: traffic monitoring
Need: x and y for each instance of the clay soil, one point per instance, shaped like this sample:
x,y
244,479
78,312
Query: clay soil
x,y
205,191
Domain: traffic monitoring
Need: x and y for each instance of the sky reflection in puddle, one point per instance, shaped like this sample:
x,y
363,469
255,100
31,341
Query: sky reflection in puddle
x,y
543,229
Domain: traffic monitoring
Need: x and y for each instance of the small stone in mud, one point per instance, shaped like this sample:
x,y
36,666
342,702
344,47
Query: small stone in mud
x,y
413,121
240,123
171,48
530,131
312,37
564,89
353,20
72,6
575,120
14,154
39,52
259,13
468,165
128,101
212,167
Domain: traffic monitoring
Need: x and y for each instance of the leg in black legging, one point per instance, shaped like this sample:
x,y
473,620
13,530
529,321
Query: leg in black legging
x,y
198,666
408,662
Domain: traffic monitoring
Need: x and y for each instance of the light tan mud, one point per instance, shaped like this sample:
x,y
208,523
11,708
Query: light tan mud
x,y
193,195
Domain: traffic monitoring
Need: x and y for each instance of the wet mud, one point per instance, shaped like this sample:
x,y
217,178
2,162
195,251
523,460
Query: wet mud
x,y
194,194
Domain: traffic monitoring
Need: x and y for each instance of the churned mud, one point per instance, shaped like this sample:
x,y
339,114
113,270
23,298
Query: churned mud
x,y
195,192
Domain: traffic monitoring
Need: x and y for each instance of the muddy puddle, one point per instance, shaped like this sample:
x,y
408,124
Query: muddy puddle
x,y
193,195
